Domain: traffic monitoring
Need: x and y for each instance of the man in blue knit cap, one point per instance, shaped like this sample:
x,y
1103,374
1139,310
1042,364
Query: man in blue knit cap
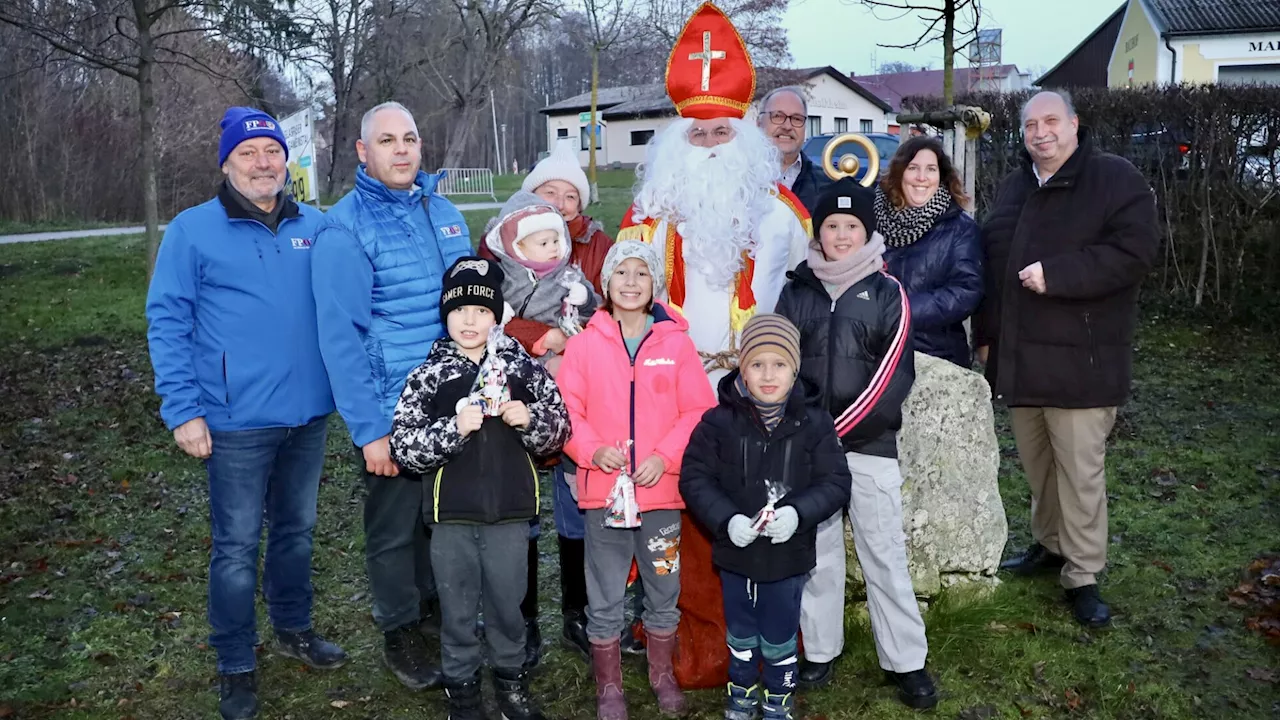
x,y
231,326
380,259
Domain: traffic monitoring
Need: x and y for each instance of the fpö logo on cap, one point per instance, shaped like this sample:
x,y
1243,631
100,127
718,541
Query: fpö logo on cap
x,y
251,125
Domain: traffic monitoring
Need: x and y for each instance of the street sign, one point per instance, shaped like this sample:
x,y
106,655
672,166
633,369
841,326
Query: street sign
x,y
297,129
585,119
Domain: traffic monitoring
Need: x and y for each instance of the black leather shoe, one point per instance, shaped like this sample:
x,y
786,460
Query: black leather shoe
x,y
405,652
238,696
1088,607
815,674
311,649
574,636
630,644
532,644
1037,559
915,689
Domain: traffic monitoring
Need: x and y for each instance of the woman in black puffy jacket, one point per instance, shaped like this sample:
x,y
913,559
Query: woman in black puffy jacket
x,y
856,347
932,246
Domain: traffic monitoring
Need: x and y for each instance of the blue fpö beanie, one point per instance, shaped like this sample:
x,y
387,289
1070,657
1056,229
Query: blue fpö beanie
x,y
242,123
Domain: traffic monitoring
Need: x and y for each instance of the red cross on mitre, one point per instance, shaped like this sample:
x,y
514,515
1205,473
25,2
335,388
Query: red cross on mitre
x,y
709,73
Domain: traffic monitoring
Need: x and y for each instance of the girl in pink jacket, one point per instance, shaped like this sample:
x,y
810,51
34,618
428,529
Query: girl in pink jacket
x,y
635,388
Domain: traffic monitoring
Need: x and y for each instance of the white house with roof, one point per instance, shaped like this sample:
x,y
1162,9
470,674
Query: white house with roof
x,y
631,115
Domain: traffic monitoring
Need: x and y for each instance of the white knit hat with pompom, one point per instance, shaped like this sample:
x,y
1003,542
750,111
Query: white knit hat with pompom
x,y
561,164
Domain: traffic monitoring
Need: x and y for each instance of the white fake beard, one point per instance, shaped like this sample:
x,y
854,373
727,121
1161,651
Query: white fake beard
x,y
715,195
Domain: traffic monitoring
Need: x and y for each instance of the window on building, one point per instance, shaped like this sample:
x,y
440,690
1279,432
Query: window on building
x,y
641,137
562,133
585,138
842,125
815,125
864,125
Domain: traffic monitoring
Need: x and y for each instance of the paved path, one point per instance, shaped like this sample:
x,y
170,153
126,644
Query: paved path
x,y
106,232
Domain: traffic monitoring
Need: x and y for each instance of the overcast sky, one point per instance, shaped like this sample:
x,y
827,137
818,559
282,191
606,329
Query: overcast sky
x,y
844,33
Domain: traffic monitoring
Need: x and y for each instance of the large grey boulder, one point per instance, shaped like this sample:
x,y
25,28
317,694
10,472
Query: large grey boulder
x,y
951,508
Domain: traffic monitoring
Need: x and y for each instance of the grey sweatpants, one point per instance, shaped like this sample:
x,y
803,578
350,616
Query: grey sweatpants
x,y
477,564
655,546
875,510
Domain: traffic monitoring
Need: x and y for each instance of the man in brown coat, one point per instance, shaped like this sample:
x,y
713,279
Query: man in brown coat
x,y
1067,244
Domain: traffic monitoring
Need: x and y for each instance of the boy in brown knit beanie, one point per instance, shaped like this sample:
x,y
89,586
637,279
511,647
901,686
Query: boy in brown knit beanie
x,y
760,472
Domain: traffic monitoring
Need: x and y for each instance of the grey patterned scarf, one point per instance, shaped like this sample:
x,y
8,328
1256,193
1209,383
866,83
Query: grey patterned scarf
x,y
903,227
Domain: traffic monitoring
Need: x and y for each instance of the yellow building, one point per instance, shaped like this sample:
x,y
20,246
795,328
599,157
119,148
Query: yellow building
x,y
1164,41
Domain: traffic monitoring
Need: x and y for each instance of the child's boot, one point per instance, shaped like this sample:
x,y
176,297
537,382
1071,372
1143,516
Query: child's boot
x,y
778,707
464,698
742,703
606,664
662,672
514,701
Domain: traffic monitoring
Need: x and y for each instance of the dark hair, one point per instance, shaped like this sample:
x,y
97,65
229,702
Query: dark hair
x,y
907,151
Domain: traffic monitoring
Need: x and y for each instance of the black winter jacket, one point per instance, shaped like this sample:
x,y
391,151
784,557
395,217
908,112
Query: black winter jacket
x,y
942,273
488,476
858,352
809,183
1093,227
728,459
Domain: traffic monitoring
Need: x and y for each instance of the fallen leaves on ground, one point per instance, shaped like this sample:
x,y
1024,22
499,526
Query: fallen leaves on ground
x,y
1260,592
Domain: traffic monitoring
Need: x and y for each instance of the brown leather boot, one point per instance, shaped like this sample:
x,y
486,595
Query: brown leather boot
x,y
662,672
606,664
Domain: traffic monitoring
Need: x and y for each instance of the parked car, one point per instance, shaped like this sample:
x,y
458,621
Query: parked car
x,y
885,143
1151,145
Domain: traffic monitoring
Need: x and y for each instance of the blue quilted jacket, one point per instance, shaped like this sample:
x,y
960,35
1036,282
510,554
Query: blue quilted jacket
x,y
377,267
942,273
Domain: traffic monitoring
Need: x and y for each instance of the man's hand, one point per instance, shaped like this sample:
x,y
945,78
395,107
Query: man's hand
x,y
193,438
554,340
377,458
983,353
609,459
649,472
470,418
515,414
1032,277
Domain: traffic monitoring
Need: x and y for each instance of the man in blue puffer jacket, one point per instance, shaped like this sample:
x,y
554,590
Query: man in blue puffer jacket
x,y
379,261
231,327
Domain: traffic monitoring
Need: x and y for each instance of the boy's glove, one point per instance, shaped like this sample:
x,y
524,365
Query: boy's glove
x,y
740,531
783,525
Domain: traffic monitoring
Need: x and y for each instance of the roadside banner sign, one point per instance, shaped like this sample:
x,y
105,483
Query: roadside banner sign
x,y
297,129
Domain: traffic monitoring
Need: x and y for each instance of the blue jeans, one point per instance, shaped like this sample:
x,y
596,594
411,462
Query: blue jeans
x,y
272,473
570,521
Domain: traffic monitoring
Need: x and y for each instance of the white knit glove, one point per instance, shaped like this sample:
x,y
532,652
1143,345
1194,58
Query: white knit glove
x,y
577,294
740,531
783,525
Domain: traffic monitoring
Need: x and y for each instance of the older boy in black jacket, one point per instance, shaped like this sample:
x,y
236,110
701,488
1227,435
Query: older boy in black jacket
x,y
764,448
480,484
856,346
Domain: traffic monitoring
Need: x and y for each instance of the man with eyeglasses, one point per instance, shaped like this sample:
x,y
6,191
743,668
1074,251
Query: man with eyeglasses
x,y
783,115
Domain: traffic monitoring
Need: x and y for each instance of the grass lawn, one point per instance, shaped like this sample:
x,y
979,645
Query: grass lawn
x,y
104,544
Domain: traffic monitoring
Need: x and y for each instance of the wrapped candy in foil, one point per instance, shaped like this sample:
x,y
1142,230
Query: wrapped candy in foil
x,y
570,320
765,516
621,508
491,391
